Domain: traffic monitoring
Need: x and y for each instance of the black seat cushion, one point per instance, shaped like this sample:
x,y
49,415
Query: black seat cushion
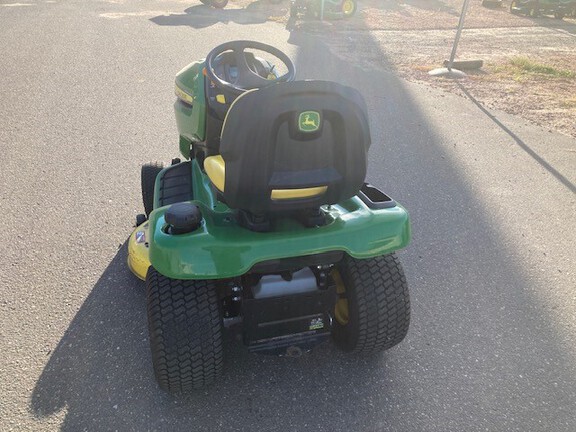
x,y
295,135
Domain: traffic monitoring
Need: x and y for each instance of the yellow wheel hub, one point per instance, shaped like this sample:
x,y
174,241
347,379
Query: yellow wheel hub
x,y
341,308
347,7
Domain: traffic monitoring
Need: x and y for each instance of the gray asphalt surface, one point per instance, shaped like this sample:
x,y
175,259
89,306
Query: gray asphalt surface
x,y
86,93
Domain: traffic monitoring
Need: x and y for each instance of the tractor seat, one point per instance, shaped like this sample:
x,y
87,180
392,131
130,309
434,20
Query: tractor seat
x,y
291,146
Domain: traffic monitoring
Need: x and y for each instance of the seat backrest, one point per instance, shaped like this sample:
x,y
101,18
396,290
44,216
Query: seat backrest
x,y
294,145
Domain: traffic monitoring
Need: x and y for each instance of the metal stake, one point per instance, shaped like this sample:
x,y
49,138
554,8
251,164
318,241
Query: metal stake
x,y
458,33
448,71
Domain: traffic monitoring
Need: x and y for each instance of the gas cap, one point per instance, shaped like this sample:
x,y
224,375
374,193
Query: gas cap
x,y
183,218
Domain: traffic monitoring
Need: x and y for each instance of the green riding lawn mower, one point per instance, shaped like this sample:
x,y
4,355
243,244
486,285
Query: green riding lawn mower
x,y
534,8
330,9
266,226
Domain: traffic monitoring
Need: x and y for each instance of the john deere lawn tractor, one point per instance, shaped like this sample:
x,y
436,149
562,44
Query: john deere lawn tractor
x,y
536,8
330,9
266,224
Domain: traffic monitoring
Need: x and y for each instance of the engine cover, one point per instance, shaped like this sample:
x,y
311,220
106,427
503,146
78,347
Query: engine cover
x,y
274,324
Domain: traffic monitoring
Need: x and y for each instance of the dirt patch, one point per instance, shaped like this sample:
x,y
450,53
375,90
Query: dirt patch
x,y
436,14
546,99
415,36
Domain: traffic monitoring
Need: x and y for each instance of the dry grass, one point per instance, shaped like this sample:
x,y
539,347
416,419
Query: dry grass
x,y
568,103
524,68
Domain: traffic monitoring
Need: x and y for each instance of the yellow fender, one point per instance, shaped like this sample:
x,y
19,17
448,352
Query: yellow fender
x,y
138,257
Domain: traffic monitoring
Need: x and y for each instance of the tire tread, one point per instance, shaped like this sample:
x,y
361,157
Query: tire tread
x,y
148,174
185,329
379,304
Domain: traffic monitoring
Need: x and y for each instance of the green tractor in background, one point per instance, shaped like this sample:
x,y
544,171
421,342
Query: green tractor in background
x,y
328,9
535,8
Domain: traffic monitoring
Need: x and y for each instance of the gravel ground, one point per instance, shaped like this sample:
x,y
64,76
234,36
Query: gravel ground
x,y
416,36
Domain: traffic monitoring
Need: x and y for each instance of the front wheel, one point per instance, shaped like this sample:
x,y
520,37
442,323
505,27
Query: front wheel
x,y
185,329
148,174
372,312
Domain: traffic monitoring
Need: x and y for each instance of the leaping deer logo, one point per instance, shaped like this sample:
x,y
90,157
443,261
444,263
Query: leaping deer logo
x,y
309,121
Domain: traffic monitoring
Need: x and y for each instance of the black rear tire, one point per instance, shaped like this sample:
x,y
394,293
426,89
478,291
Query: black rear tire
x,y
185,329
148,175
377,314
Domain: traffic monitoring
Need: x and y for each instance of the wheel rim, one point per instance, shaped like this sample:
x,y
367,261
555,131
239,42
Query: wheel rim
x,y
341,307
348,7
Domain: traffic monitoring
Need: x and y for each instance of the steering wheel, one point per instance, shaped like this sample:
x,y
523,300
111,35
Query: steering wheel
x,y
247,78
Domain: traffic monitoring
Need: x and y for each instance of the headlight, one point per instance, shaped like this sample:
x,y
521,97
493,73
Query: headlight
x,y
182,95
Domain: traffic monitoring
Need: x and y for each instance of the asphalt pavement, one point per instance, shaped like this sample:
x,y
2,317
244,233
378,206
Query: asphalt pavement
x,y
86,93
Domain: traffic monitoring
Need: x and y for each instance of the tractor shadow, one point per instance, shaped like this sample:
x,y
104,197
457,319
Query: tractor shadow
x,y
202,16
100,373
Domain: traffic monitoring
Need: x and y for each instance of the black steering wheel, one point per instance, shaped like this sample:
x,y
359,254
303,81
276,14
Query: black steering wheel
x,y
247,78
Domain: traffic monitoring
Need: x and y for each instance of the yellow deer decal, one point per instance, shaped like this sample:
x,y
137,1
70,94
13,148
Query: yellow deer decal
x,y
308,122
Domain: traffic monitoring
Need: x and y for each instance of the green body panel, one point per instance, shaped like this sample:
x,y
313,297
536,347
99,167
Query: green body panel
x,y
191,119
222,249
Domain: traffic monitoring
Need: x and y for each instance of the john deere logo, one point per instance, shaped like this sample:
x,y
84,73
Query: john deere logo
x,y
309,121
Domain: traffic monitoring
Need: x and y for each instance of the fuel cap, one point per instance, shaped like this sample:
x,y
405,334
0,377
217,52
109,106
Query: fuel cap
x,y
183,218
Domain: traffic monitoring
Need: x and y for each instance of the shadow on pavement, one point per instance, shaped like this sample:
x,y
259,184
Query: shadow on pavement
x,y
481,354
101,374
561,178
202,16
